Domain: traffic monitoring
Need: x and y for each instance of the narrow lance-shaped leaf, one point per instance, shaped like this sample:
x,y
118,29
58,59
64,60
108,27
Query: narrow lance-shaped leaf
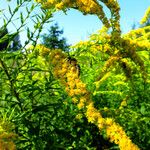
x,y
28,33
18,2
10,10
4,21
21,17
27,10
32,7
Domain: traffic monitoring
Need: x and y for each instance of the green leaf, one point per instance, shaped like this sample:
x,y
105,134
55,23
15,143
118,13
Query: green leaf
x,y
21,17
16,9
32,7
28,33
143,110
4,22
10,10
27,10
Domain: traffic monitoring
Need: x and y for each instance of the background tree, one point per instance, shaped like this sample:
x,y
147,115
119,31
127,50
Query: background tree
x,y
54,40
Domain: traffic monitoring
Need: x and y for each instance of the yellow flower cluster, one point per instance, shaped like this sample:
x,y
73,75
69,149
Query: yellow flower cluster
x,y
6,137
68,75
39,49
47,3
134,41
85,6
43,51
40,52
90,7
114,132
6,141
114,9
98,83
139,37
146,16
110,62
94,116
60,64
130,50
118,136
97,43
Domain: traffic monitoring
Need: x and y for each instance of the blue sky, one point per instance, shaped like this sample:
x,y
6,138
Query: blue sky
x,y
78,27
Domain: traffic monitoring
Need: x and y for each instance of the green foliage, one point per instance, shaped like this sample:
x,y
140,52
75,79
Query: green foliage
x,y
34,104
42,115
117,93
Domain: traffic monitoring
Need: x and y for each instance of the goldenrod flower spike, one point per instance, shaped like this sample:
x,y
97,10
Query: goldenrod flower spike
x,y
85,6
117,135
146,16
68,76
